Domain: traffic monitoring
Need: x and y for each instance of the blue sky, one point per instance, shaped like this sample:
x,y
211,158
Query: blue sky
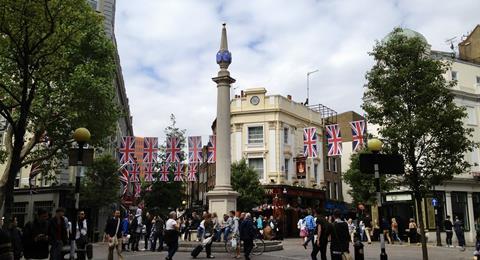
x,y
167,50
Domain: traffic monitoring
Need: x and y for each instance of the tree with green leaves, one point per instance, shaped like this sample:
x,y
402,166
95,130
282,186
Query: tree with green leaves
x,y
363,185
56,74
410,101
171,193
100,185
245,181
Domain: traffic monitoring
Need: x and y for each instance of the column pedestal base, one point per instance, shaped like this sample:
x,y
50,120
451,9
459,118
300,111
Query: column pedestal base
x,y
222,201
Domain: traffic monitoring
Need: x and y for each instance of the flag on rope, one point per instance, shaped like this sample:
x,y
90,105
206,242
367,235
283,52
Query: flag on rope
x,y
178,172
310,148
164,171
334,140
134,172
150,149
194,149
358,134
212,149
127,150
124,177
174,149
192,170
138,189
148,169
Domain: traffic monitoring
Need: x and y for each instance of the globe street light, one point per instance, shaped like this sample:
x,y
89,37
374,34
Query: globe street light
x,y
375,146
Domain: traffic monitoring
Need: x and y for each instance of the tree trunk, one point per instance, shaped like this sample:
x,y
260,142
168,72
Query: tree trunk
x,y
419,207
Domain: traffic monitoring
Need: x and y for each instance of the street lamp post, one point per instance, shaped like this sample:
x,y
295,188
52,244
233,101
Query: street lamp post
x,y
308,85
375,146
81,136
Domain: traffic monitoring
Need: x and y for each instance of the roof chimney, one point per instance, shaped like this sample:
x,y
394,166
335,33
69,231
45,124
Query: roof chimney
x,y
289,97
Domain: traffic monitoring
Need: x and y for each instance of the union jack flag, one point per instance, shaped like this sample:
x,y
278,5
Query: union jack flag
x,y
124,177
174,149
148,169
194,149
150,149
310,148
178,172
138,189
134,172
192,170
212,149
164,171
334,140
358,134
127,150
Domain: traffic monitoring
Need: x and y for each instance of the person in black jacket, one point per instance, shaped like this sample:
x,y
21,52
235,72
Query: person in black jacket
x,y
35,236
247,235
449,231
322,231
57,234
148,228
16,238
340,237
113,234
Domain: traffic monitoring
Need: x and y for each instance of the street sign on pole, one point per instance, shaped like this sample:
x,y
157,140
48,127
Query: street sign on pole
x,y
434,202
387,163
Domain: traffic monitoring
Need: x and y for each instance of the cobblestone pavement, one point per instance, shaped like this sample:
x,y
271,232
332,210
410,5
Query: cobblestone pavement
x,y
294,251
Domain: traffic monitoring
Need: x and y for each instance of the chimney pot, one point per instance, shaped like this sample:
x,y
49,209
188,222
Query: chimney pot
x,y
289,97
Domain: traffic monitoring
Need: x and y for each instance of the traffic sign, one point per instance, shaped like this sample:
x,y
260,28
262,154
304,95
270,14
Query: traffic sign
x,y
434,202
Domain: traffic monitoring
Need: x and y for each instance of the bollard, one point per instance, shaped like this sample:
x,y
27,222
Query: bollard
x,y
358,247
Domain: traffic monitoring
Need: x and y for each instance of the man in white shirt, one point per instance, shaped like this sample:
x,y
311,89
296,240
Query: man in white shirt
x,y
81,235
171,235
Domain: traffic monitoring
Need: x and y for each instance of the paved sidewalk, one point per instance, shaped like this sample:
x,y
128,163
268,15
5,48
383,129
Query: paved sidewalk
x,y
294,251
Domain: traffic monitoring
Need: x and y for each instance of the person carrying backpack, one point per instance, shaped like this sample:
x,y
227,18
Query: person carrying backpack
x,y
310,224
340,238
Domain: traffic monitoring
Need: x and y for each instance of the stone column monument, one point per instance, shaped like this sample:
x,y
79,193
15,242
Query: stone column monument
x,y
222,198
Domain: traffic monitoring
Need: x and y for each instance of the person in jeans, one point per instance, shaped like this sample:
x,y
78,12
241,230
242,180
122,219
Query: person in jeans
x,y
209,232
113,235
448,225
172,228
458,227
158,234
228,225
57,234
310,224
394,227
368,228
81,235
322,232
340,238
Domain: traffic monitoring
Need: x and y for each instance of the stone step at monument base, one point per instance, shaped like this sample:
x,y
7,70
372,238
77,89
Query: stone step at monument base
x,y
219,247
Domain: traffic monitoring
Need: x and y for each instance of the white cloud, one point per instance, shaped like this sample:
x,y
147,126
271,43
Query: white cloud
x,y
167,50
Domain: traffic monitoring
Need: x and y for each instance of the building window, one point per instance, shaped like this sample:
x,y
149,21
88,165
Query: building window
x,y
454,75
334,164
327,162
287,164
47,205
335,190
476,209
93,4
20,211
257,165
255,135
471,116
328,190
460,209
17,181
285,135
478,81
474,156
315,172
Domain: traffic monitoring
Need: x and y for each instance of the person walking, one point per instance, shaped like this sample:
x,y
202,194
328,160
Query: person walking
x,y
136,230
125,232
459,232
6,248
113,235
209,231
412,231
16,238
228,226
368,228
81,239
57,234
236,233
351,229
217,227
158,234
322,232
395,233
340,238
361,230
386,230
310,225
448,225
247,235
35,236
148,228
171,235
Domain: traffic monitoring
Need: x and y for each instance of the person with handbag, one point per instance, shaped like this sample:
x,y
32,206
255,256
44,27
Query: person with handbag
x,y
208,235
340,238
113,235
171,235
81,239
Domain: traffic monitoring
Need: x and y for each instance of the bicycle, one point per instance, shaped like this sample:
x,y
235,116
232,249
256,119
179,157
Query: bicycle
x,y
231,246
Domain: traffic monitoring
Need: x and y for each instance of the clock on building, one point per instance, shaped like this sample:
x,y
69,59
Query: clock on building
x,y
255,100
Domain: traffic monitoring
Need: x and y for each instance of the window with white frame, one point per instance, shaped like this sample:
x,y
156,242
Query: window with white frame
x,y
286,165
474,156
334,164
255,135
285,135
315,172
327,164
478,81
257,165
93,4
335,188
328,190
471,115
454,75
